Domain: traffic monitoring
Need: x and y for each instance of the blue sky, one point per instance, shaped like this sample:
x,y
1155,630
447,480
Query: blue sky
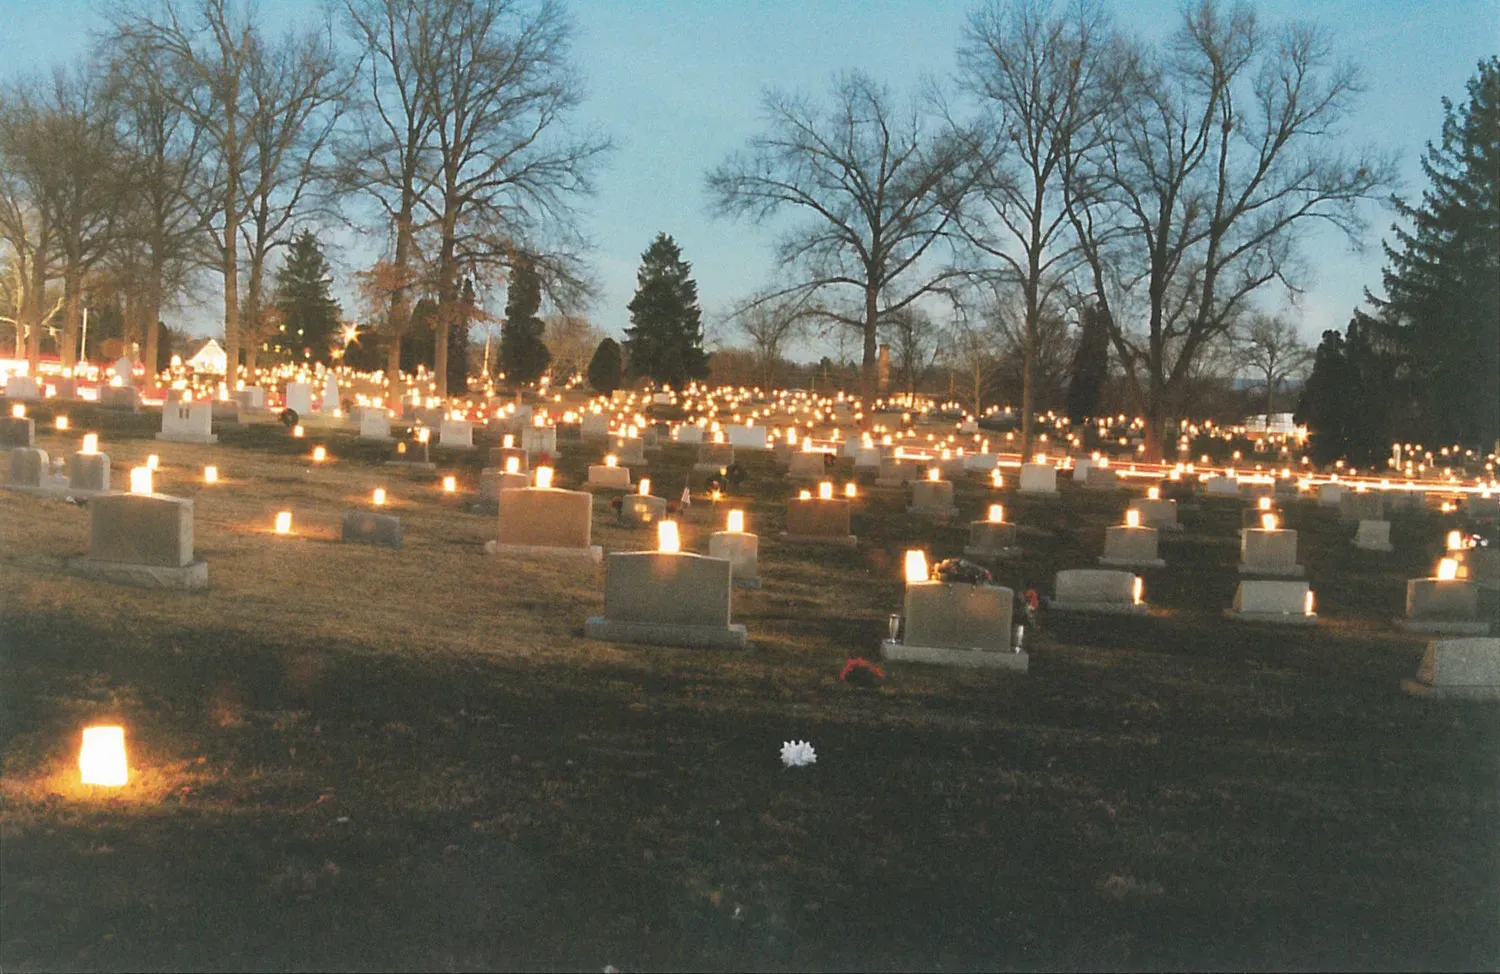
x,y
677,84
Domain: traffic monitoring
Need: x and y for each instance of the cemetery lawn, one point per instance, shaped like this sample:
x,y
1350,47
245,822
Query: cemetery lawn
x,y
357,758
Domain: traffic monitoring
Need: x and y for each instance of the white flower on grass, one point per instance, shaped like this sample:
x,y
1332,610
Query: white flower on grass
x,y
795,754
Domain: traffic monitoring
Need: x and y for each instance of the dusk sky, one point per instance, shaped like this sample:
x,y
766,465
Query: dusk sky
x,y
678,84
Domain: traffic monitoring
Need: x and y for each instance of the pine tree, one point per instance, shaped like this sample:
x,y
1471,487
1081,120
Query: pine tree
x,y
606,368
309,314
1346,404
458,339
1442,283
523,355
1090,364
665,337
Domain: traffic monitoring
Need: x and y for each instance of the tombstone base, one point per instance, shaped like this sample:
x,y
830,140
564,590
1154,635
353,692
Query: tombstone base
x,y
1132,563
196,439
1445,627
892,649
1386,548
1449,692
747,581
411,464
1045,494
666,634
1100,608
1284,571
943,512
189,578
993,554
593,553
847,541
1274,618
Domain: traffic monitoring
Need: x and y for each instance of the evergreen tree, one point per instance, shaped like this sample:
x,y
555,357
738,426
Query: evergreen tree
x,y
1442,283
606,368
418,342
523,355
1090,364
458,339
366,352
665,337
1345,403
309,314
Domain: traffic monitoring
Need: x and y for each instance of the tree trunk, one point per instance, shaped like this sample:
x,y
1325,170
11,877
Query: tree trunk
x,y
253,313
230,265
67,349
1028,367
868,378
38,306
151,315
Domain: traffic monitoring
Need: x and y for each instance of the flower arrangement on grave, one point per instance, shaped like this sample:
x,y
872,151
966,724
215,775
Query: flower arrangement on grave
x,y
959,570
861,672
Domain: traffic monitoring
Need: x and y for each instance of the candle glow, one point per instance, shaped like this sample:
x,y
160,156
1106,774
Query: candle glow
x,y
544,477
667,539
210,474
825,491
736,523
140,480
1447,569
101,760
378,497
90,443
284,522
916,566
1132,518
997,514
1268,522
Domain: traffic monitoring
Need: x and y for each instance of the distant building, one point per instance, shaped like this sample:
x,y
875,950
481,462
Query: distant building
x,y
209,357
1280,424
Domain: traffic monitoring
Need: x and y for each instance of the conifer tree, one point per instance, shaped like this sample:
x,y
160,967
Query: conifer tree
x,y
665,337
606,368
1090,364
523,355
309,314
1442,283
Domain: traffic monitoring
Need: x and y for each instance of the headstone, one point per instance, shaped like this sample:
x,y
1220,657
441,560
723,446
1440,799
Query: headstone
x,y
866,459
1102,478
298,398
120,397
1368,505
1038,478
628,450
1481,507
747,437
932,497
456,434
1449,606
991,540
144,540
251,399
1128,547
539,439
1280,602
17,432
1081,468
1373,536
688,434
642,510
22,387
1098,590
815,519
899,471
1460,669
594,426
547,521
1273,552
742,551
65,387
714,456
957,624
374,424
1221,487
188,422
667,599
604,476
124,370
1160,514
500,457
807,465
1480,566
1331,495
88,472
28,467
367,527
492,482
329,403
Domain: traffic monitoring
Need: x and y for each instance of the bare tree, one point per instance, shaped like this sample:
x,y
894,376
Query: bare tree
x,y
1045,74
386,158
1270,347
916,341
1203,182
571,339
163,237
770,326
507,168
970,349
876,189
27,186
296,92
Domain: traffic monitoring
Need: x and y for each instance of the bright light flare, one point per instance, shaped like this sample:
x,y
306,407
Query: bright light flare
x,y
101,760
